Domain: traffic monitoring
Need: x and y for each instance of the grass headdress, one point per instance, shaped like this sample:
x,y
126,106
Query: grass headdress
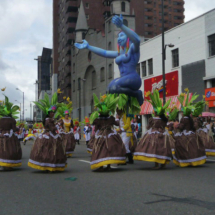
x,y
156,102
64,109
46,106
105,106
8,109
186,105
171,113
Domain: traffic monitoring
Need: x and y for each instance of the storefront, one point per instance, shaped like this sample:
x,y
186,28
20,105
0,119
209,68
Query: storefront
x,y
154,83
210,97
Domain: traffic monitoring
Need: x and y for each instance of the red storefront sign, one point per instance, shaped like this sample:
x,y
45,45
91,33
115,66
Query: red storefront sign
x,y
211,104
157,83
210,94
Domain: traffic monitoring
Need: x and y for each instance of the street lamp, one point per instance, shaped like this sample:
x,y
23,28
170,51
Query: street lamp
x,y
79,87
20,109
23,104
164,55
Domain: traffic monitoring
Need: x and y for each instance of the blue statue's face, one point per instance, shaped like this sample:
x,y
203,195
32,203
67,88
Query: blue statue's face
x,y
122,39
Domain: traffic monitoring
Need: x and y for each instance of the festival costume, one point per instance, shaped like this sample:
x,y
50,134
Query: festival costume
x,y
204,134
171,113
68,137
87,130
48,152
30,136
66,127
108,147
77,131
189,149
155,145
10,148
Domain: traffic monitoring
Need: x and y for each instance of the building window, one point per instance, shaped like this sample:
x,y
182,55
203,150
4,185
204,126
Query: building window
x,y
148,17
94,80
123,6
138,69
110,71
73,68
87,16
109,26
175,58
211,43
125,22
143,65
109,46
73,85
102,74
213,83
79,83
150,66
89,56
87,5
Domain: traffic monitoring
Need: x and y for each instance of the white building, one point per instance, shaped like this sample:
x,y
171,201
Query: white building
x,y
192,59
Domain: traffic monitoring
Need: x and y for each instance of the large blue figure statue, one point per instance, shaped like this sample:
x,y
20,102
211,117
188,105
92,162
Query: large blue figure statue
x,y
127,58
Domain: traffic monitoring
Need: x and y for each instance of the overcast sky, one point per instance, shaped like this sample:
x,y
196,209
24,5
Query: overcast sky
x,y
26,27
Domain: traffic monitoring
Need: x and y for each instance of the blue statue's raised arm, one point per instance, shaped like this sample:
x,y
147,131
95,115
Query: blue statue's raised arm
x,y
118,21
96,50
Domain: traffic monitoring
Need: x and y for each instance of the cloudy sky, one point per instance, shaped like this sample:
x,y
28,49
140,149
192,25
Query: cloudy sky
x,y
26,27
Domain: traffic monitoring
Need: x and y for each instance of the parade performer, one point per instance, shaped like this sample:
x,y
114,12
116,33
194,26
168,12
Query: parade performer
x,y
92,139
48,152
155,145
171,114
77,131
108,147
87,130
10,148
21,131
188,151
66,124
30,135
203,134
127,57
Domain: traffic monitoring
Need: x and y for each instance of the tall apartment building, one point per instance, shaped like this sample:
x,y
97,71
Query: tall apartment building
x,y
44,66
147,15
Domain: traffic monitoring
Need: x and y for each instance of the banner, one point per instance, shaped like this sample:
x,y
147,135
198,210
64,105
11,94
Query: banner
x,y
210,94
171,80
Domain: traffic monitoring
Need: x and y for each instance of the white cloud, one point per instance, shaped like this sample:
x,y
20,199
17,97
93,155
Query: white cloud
x,y
27,28
194,8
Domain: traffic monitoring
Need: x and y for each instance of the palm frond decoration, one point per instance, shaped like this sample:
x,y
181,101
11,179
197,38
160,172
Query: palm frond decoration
x,y
187,106
45,105
156,102
8,109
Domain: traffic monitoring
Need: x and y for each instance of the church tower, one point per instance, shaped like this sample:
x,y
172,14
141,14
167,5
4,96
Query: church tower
x,y
81,26
120,7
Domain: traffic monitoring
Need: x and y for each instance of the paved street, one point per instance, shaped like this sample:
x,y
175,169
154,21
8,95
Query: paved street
x,y
127,190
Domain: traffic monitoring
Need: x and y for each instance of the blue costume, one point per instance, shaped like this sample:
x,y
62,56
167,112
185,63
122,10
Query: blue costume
x,y
127,58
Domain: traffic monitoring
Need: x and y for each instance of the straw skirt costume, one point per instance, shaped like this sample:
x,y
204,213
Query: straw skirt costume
x,y
48,152
206,136
189,149
154,146
10,148
108,147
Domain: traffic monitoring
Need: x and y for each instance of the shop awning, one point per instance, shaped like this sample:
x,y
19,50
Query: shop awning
x,y
147,108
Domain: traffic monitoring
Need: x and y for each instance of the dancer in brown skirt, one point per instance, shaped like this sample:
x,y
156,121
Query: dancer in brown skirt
x,y
67,134
189,149
10,149
204,134
108,147
155,146
48,152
